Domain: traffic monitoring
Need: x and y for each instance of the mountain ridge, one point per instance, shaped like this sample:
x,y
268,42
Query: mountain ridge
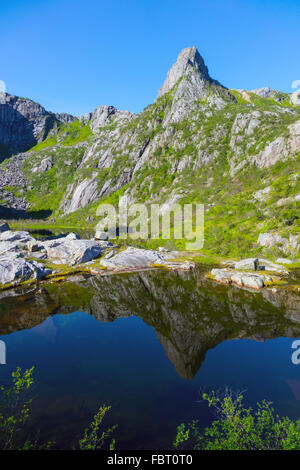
x,y
194,138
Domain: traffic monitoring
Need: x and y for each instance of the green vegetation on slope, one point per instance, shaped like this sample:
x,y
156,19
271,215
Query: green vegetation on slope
x,y
67,135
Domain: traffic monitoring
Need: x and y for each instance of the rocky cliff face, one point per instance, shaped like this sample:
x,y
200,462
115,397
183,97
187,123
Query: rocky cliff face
x,y
197,141
23,123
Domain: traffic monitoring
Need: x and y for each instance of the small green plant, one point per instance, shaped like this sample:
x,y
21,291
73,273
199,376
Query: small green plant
x,y
94,438
240,428
15,408
14,411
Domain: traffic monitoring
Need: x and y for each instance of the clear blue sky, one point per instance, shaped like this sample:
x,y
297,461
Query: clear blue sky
x,y
72,55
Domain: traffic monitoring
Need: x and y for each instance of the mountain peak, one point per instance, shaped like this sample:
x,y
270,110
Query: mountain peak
x,y
188,60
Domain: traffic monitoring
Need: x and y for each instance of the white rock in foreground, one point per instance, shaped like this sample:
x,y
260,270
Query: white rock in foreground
x,y
14,268
18,236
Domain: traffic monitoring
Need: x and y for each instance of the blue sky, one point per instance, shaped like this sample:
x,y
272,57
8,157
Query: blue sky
x,y
72,55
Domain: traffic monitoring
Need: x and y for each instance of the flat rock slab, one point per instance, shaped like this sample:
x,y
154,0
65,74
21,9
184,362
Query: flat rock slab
x,y
284,261
14,242
259,264
136,258
18,236
72,251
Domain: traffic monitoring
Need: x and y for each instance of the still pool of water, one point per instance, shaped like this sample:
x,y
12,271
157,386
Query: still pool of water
x,y
148,343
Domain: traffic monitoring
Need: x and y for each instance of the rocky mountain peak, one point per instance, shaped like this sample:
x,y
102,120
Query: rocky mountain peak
x,y
189,60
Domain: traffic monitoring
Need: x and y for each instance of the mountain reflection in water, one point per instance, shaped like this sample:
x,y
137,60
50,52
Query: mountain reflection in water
x,y
189,314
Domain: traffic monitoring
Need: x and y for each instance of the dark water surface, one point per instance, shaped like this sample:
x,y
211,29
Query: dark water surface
x,y
147,343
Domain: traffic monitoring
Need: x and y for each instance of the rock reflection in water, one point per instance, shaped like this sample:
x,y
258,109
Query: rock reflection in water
x,y
189,314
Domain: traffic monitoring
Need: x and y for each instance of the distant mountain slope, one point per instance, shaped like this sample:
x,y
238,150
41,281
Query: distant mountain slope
x,y
236,151
24,123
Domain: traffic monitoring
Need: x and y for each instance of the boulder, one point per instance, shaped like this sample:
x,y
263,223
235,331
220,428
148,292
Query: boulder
x,y
250,263
9,247
237,278
33,246
136,258
72,236
252,281
105,244
66,251
14,268
45,165
18,236
221,275
241,279
101,235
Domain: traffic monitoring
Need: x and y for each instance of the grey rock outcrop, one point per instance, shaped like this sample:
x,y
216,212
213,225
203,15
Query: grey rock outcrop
x,y
103,115
259,264
280,148
136,258
72,251
188,61
101,235
16,236
288,245
14,268
85,192
45,165
264,92
23,123
295,98
191,82
240,278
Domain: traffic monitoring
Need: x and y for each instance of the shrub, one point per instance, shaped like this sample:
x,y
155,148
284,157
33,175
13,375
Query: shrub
x,y
240,428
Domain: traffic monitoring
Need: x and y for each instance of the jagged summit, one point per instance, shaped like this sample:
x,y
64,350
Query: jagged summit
x,y
188,60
